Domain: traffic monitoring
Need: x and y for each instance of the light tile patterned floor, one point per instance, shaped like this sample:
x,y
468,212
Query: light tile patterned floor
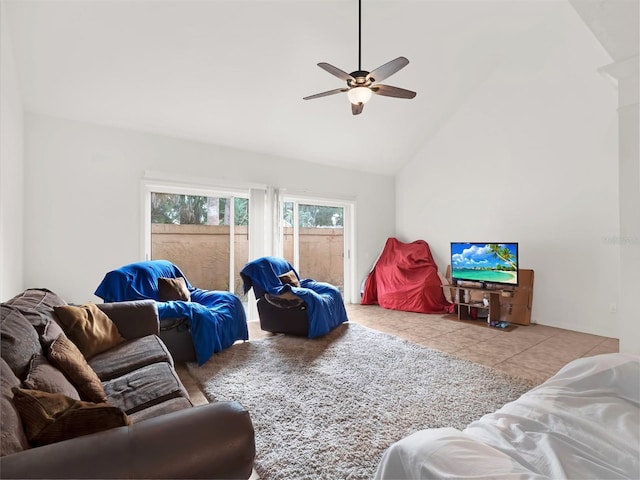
x,y
535,352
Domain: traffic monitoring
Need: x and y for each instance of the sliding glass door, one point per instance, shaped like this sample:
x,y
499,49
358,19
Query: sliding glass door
x,y
316,239
211,233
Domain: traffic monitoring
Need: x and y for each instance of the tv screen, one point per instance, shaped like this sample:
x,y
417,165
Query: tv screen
x,y
495,263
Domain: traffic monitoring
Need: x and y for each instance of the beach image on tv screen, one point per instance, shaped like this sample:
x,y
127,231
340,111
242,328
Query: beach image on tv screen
x,y
485,262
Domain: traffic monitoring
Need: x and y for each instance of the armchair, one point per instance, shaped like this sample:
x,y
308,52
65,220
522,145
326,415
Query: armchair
x,y
201,323
287,304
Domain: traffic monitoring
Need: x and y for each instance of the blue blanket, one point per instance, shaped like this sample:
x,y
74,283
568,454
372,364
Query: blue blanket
x,y
217,318
324,302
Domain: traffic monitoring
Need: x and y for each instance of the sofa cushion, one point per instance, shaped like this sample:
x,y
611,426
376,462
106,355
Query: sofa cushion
x,y
37,316
12,436
36,304
50,332
36,297
89,328
44,376
65,355
18,340
168,406
135,318
53,417
144,387
173,289
129,356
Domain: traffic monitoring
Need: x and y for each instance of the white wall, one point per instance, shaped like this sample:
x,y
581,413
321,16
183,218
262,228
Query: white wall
x,y
630,225
83,217
531,157
627,74
11,169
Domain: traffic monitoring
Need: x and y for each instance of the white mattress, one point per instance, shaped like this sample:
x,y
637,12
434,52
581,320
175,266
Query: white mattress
x,y
584,422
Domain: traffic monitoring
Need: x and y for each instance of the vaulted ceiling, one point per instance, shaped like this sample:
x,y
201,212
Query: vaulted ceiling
x,y
234,72
614,23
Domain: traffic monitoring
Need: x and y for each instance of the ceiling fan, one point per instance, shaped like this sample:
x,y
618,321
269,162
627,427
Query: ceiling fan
x,y
360,83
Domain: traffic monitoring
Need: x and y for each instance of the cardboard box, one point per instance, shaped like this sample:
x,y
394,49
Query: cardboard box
x,y
516,313
517,307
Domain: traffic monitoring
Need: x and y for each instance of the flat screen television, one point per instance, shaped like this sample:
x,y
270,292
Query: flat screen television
x,y
488,263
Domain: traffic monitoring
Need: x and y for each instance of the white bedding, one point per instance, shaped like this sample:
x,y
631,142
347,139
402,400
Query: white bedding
x,y
584,422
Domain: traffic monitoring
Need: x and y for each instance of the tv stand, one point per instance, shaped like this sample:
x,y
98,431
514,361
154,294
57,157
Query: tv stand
x,y
463,306
512,304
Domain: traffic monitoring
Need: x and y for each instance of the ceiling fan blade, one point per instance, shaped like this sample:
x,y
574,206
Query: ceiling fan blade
x,y
356,109
325,94
389,91
387,69
336,71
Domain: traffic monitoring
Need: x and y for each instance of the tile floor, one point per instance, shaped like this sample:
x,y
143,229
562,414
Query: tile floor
x,y
534,352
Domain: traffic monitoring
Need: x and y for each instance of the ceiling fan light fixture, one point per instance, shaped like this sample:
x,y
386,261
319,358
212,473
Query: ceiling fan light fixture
x,y
361,83
359,95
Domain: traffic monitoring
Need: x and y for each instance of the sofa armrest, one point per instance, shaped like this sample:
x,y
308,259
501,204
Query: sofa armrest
x,y
208,441
134,319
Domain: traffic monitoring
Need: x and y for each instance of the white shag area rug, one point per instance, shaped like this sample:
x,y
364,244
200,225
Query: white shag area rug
x,y
327,408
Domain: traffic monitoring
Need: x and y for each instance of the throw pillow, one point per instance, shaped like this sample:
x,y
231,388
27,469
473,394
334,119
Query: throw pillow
x,y
44,376
173,289
89,328
51,331
289,278
18,340
12,436
53,417
65,355
284,300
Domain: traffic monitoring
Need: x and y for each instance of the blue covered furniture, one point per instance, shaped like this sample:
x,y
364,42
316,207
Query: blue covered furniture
x,y
287,304
208,322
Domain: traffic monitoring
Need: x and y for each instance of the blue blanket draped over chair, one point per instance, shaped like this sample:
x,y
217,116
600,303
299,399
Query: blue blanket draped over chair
x,y
324,302
217,318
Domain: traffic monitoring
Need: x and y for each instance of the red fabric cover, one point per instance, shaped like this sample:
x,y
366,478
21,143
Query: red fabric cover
x,y
405,277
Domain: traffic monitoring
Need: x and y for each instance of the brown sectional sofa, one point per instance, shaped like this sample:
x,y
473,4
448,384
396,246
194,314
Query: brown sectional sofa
x,y
164,435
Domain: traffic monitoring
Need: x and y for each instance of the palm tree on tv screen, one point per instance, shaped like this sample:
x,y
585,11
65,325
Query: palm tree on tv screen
x,y
504,254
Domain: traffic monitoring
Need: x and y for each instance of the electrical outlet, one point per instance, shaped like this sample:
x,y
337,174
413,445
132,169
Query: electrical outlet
x,y
613,308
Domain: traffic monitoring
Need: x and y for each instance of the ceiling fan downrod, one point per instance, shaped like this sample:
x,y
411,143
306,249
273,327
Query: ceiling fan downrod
x,y
360,35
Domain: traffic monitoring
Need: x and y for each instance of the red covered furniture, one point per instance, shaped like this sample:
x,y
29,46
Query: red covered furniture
x,y
405,277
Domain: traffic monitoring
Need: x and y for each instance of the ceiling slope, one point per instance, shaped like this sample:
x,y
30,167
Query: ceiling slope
x,y
234,73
